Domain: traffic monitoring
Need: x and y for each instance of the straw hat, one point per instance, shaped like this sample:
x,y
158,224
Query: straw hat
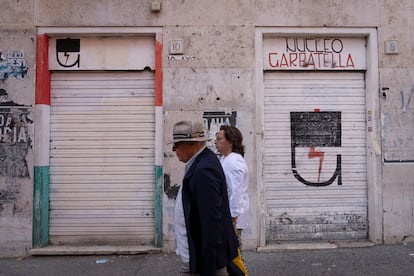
x,y
188,131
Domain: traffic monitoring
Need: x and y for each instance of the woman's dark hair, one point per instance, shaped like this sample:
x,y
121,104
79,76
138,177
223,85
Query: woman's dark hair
x,y
233,135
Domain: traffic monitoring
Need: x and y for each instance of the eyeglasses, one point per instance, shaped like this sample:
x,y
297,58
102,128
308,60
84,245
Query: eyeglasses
x,y
175,145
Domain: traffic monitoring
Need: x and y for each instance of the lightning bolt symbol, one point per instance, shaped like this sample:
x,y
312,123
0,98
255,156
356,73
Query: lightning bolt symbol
x,y
317,154
67,57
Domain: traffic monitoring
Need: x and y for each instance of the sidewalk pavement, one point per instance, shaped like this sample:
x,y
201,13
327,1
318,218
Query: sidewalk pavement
x,y
378,260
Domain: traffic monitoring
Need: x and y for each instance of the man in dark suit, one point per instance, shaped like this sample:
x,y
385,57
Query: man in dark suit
x,y
212,242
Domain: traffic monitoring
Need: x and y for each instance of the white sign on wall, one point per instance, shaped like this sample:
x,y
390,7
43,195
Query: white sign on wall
x,y
102,53
314,53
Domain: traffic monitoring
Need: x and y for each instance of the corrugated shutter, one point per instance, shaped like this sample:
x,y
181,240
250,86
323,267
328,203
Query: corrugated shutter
x,y
102,158
317,120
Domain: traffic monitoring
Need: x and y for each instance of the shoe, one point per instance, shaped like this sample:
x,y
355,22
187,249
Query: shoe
x,y
185,268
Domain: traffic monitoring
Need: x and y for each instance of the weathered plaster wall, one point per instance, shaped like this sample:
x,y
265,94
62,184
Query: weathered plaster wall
x,y
216,76
16,13
92,13
397,119
397,82
398,203
216,72
138,13
316,13
17,56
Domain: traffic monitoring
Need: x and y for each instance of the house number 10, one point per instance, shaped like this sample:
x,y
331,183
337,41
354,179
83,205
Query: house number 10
x,y
176,47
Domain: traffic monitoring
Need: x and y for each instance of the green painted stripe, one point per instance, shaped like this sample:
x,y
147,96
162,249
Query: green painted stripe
x,y
158,206
40,234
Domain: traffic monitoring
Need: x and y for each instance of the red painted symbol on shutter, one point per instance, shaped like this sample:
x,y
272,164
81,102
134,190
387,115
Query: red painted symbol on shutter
x,y
317,154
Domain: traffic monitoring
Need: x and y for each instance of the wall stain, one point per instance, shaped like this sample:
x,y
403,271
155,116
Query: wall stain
x,y
7,196
406,104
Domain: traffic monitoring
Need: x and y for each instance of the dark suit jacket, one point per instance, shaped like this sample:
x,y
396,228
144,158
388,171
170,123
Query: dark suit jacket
x,y
212,241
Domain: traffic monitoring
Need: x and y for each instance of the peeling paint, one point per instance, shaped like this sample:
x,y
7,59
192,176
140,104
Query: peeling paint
x,y
12,64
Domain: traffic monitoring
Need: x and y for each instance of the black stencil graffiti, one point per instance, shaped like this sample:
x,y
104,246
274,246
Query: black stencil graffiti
x,y
67,52
14,137
316,129
213,120
170,191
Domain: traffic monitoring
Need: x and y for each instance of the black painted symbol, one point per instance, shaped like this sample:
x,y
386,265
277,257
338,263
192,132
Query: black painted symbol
x,y
316,129
68,52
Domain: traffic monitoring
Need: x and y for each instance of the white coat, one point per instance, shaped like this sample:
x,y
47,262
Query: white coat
x,y
237,178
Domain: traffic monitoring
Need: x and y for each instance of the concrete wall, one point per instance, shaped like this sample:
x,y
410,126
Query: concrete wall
x,y
398,203
17,74
217,74
397,119
218,77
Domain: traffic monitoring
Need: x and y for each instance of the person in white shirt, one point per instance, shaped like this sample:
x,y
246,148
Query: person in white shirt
x,y
229,143
181,233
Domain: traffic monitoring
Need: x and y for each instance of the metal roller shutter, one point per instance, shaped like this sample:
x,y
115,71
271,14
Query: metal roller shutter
x,y
102,158
314,159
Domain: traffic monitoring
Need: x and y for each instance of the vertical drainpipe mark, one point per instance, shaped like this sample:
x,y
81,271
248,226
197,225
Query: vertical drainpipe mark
x,y
41,179
158,141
